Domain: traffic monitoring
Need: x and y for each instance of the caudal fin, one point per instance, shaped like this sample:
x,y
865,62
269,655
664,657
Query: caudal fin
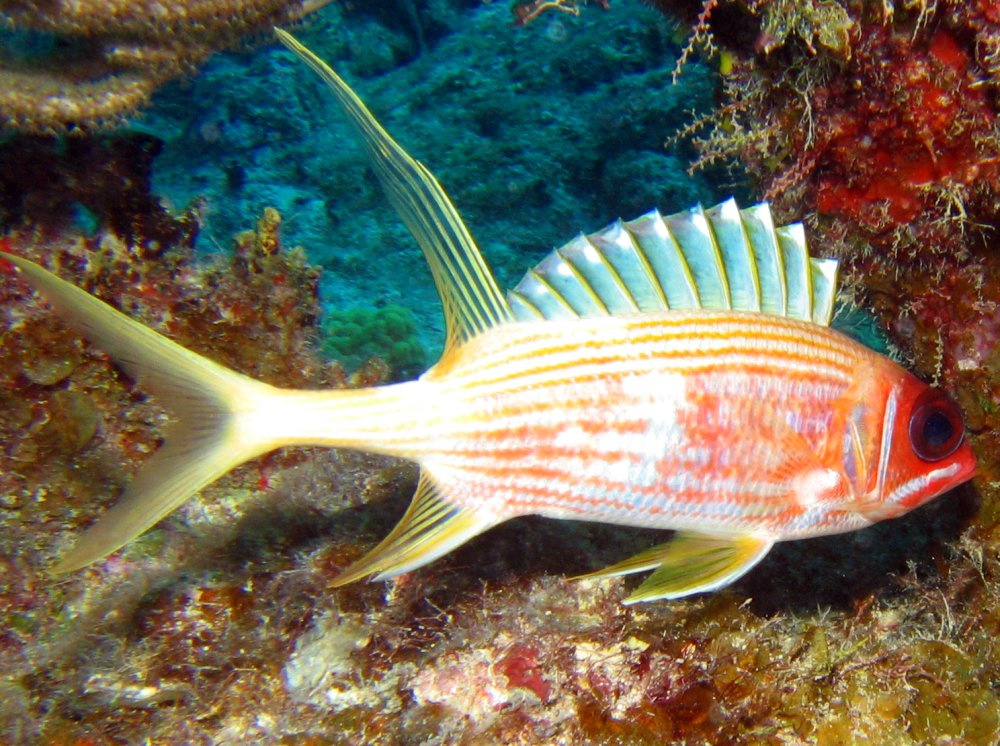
x,y
218,414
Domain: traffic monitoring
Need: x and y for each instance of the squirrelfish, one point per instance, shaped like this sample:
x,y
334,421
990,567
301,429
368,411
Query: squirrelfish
x,y
674,372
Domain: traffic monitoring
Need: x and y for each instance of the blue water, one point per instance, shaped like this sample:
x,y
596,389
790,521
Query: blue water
x,y
536,132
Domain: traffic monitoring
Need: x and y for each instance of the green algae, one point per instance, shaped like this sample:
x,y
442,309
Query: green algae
x,y
390,333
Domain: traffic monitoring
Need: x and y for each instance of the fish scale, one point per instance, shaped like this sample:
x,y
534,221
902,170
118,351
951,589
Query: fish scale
x,y
506,422
810,363
671,371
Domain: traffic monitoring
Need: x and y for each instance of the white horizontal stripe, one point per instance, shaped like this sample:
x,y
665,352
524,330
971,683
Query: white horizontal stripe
x,y
912,486
677,354
570,371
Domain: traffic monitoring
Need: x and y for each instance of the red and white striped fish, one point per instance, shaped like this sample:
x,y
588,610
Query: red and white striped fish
x,y
671,372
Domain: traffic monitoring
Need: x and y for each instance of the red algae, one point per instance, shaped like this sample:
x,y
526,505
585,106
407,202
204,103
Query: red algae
x,y
887,139
896,128
523,668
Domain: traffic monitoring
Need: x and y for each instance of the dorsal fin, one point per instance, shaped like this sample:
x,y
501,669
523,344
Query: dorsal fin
x,y
470,296
716,258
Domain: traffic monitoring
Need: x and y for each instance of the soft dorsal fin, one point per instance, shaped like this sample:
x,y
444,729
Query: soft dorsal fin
x,y
717,258
470,296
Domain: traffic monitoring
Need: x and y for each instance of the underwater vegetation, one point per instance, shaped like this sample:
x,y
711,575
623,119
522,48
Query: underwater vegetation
x,y
219,626
360,334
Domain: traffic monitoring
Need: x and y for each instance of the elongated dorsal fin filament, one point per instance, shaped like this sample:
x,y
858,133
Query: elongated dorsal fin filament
x,y
470,296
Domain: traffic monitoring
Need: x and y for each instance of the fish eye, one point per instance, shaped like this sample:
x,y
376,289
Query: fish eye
x,y
936,428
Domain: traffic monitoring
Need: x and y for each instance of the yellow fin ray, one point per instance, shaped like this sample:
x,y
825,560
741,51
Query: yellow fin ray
x,y
690,563
430,528
470,296
186,463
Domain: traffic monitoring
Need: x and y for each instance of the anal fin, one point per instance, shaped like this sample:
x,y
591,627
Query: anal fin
x,y
690,563
430,528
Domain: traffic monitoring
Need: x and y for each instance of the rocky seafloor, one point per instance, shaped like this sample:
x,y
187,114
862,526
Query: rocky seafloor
x,y
220,625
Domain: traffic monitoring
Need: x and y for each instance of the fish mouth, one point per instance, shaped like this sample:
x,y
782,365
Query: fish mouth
x,y
938,480
971,471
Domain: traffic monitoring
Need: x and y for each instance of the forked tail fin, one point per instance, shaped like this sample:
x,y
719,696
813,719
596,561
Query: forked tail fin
x,y
219,414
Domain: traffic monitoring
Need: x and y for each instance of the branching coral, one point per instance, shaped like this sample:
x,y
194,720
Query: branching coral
x,y
819,24
108,56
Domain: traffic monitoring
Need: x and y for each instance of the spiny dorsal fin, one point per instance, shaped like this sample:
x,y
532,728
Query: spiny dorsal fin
x,y
716,258
690,563
430,528
470,296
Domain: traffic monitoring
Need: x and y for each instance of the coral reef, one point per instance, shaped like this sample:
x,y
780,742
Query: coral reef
x,y
60,395
218,625
88,64
101,184
889,139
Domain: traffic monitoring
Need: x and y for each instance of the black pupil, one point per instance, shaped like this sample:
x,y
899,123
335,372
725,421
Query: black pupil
x,y
938,430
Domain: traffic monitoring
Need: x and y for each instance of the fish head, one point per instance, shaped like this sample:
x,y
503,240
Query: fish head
x,y
923,450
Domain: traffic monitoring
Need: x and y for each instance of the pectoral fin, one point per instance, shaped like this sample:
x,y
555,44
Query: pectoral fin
x,y
690,563
430,528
